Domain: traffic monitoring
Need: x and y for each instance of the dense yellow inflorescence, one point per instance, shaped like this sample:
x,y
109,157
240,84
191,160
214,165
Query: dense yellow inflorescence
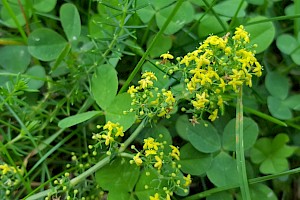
x,y
162,158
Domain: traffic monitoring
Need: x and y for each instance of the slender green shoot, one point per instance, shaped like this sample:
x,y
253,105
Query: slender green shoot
x,y
240,156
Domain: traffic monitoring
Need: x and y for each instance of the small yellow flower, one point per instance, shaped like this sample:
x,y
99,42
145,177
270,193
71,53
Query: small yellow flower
x,y
150,152
155,197
201,101
149,76
167,56
158,163
138,161
214,115
132,90
188,180
4,168
119,131
170,98
145,83
175,152
150,143
108,138
109,126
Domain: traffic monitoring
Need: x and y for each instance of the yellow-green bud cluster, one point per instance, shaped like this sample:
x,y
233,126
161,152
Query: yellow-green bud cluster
x,y
150,101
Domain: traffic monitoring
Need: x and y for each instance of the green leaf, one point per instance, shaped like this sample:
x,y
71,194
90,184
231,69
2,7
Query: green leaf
x,y
125,178
14,59
183,16
204,137
261,191
77,119
44,5
262,34
278,109
119,195
99,29
228,8
223,170
45,44
286,43
277,85
296,56
104,85
194,162
38,72
271,154
250,130
151,181
293,102
182,125
155,131
115,111
70,21
220,196
210,25
6,18
149,8
164,44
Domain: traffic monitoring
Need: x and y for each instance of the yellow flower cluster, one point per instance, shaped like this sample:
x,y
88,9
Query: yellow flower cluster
x,y
219,66
8,178
149,100
163,158
111,131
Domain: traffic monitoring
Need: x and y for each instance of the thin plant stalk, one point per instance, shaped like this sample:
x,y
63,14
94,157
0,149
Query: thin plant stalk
x,y
240,156
144,57
95,167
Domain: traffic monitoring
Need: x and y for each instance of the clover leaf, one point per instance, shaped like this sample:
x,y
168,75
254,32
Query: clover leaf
x,y
272,154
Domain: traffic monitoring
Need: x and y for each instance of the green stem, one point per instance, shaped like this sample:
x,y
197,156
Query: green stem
x,y
14,18
142,60
133,135
251,181
240,156
97,166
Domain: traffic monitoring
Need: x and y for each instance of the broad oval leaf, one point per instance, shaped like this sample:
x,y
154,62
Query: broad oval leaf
x,y
45,44
277,85
182,125
184,15
223,170
229,8
109,180
38,74
261,191
262,34
104,85
210,25
70,20
165,44
14,59
6,18
44,5
115,112
194,162
278,108
286,43
204,137
296,56
293,102
250,131
77,119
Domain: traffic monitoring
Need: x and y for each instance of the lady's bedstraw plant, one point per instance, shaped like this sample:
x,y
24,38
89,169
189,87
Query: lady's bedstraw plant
x,y
219,67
